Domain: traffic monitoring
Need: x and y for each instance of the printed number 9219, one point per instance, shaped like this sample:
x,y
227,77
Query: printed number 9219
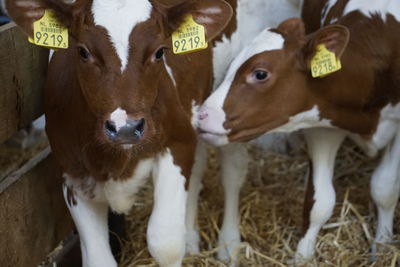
x,y
52,39
187,44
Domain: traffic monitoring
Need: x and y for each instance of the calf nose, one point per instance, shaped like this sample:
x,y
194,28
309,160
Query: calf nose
x,y
131,132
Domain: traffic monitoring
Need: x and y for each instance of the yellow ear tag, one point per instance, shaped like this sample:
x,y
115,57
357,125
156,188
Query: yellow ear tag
x,y
189,37
49,32
324,62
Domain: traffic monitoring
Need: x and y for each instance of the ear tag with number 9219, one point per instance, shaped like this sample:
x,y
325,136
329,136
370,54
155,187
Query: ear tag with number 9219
x,y
324,62
49,32
189,37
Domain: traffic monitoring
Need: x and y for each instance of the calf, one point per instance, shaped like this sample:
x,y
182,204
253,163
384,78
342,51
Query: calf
x,y
269,88
116,113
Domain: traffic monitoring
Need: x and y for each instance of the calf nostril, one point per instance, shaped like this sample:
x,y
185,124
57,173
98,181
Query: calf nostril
x,y
111,128
140,128
203,115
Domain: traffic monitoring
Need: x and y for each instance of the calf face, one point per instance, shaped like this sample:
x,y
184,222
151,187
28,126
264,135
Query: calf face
x,y
116,56
266,88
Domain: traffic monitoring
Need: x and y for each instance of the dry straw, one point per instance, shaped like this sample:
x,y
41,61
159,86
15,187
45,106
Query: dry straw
x,y
271,215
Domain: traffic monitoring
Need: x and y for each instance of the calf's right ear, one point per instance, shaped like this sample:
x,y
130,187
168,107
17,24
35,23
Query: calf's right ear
x,y
25,12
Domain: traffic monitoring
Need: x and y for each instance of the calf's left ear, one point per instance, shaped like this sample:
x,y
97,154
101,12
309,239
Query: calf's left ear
x,y
334,37
214,15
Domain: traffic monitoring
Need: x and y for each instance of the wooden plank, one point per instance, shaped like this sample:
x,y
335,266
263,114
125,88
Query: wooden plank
x,y
23,68
34,217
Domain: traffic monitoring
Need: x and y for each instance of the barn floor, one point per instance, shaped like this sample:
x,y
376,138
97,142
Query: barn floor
x,y
271,209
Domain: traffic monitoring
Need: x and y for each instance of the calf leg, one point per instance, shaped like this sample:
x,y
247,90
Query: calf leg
x,y
195,186
323,144
90,219
234,162
385,186
166,229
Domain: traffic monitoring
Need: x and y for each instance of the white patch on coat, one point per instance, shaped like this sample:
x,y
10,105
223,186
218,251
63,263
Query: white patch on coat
x,y
119,17
195,110
121,194
306,119
252,17
169,71
119,117
385,187
382,8
90,218
166,229
322,144
326,10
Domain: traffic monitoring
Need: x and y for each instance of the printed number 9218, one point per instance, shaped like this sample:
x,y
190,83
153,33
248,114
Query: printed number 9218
x,y
187,44
52,39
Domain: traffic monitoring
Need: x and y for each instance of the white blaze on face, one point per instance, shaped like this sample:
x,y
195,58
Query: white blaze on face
x,y
213,124
382,7
119,17
119,117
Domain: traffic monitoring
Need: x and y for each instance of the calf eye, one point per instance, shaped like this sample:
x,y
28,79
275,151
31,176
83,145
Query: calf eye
x,y
159,54
260,75
83,53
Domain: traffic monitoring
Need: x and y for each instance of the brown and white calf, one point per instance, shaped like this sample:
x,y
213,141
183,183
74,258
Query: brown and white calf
x,y
119,107
269,88
115,112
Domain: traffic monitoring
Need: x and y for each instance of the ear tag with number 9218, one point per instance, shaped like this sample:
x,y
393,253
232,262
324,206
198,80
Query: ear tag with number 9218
x,y
324,62
49,32
189,37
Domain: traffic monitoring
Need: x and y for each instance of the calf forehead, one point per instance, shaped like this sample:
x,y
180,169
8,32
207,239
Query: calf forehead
x,y
119,18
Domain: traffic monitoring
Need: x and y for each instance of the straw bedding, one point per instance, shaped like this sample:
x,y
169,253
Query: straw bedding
x,y
271,214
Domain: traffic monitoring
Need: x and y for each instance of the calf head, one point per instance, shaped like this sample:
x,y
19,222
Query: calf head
x,y
267,85
117,52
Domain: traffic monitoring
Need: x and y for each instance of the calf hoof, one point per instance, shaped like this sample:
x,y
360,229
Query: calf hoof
x,y
192,242
228,248
304,252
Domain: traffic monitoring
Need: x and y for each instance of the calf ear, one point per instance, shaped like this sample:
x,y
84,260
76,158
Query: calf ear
x,y
334,37
292,30
25,12
214,15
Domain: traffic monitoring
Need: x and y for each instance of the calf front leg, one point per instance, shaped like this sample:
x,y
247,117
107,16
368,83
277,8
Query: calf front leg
x,y
385,186
234,163
195,186
166,229
90,219
323,144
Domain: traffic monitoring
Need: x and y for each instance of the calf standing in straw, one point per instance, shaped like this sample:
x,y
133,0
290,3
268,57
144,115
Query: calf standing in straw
x,y
342,79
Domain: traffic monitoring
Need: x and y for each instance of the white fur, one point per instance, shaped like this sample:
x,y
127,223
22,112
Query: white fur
x,y
234,161
323,144
169,71
121,194
326,10
385,187
252,17
194,120
90,217
119,117
195,186
381,7
166,229
119,17
306,119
